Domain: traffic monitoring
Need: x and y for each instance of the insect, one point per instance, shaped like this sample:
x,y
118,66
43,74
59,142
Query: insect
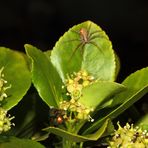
x,y
56,116
86,37
60,120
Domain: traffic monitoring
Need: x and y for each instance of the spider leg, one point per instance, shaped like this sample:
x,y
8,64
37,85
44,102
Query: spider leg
x,y
82,51
75,31
94,32
97,46
97,36
78,46
72,40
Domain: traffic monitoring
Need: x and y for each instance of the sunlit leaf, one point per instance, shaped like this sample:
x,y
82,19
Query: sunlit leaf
x,y
134,83
137,87
85,46
95,94
78,138
16,73
44,76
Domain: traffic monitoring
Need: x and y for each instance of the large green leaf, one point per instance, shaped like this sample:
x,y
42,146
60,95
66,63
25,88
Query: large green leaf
x,y
137,87
16,73
44,76
95,94
134,83
85,46
13,142
78,138
121,108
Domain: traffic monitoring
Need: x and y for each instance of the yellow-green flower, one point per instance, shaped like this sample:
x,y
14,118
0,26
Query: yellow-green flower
x,y
5,121
3,86
129,137
74,85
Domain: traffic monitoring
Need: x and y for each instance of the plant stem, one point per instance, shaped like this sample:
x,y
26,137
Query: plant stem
x,y
81,145
68,144
72,127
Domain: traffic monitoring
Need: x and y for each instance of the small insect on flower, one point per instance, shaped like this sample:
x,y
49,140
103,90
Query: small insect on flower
x,y
56,116
60,120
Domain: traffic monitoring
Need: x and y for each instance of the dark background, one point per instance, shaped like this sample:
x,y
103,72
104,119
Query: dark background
x,y
42,22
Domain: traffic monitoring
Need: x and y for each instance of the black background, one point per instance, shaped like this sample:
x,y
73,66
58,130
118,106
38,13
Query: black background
x,y
42,22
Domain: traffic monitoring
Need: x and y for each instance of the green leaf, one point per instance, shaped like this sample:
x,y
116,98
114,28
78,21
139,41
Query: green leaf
x,y
137,87
48,54
120,109
85,46
97,93
117,61
78,138
40,136
134,83
16,73
14,142
44,76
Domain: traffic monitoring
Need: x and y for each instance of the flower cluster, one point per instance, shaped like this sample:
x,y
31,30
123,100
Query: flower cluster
x,y
74,85
3,88
129,137
5,121
78,110
76,81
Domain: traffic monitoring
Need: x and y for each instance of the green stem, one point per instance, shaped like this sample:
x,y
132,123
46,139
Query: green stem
x,y
71,144
73,127
68,144
81,145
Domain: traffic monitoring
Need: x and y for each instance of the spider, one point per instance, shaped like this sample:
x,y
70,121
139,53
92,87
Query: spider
x,y
86,37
